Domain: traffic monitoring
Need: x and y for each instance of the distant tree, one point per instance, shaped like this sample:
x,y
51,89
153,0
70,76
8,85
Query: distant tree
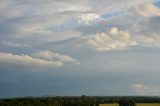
x,y
87,101
56,103
126,102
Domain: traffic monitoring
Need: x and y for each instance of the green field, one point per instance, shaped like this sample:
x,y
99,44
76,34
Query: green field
x,y
114,104
137,104
148,104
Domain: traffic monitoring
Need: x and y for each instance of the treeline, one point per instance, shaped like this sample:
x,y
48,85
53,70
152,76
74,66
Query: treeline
x,y
50,101
76,101
136,99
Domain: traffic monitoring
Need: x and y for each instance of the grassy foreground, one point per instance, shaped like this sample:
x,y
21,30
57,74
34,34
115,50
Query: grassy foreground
x,y
148,104
113,104
137,104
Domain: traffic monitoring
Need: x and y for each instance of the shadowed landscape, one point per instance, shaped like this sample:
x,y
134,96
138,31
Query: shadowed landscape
x,y
83,101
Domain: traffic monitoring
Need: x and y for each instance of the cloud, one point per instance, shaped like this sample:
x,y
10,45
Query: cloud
x,y
58,20
51,25
147,10
28,17
16,45
142,30
13,60
89,18
52,56
150,41
7,11
142,89
139,87
40,60
113,39
147,25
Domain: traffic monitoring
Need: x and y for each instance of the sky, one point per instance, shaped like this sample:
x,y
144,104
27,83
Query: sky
x,y
74,48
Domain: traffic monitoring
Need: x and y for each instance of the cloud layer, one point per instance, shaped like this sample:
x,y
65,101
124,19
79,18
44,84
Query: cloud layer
x,y
44,59
142,33
93,47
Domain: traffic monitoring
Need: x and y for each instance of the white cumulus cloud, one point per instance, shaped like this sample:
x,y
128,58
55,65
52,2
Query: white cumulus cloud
x,y
89,18
113,39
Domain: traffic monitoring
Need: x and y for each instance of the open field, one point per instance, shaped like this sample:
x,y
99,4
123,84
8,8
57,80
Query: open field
x,y
114,104
148,104
138,104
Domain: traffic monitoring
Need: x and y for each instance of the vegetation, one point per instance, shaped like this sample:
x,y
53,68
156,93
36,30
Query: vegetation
x,y
113,104
147,104
82,101
137,104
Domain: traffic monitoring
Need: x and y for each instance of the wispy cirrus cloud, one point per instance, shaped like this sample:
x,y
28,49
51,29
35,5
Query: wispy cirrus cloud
x,y
13,44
